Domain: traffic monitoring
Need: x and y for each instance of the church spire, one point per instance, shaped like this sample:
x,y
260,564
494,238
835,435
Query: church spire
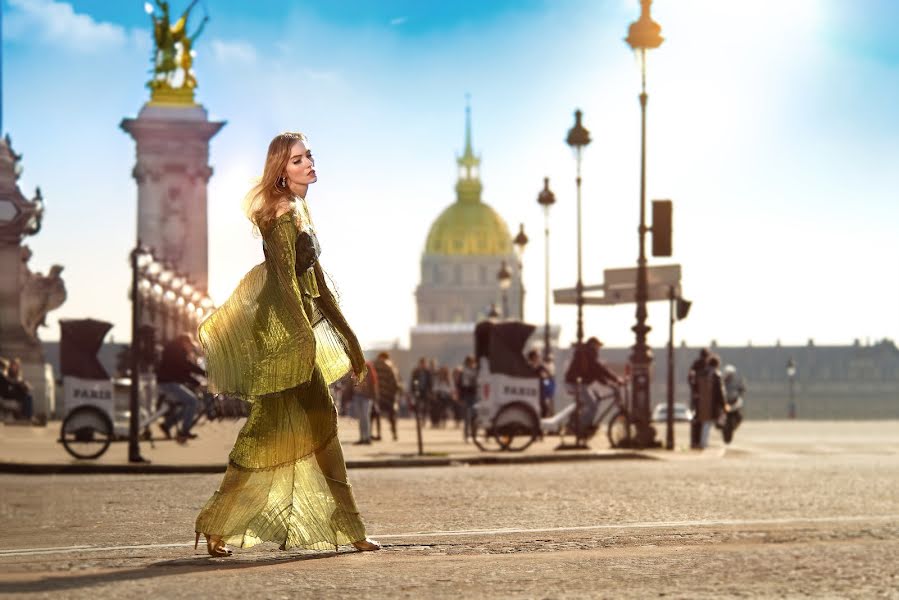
x,y
468,187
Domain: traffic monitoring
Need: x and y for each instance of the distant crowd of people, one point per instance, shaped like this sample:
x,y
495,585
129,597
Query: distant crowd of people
x,y
437,393
441,393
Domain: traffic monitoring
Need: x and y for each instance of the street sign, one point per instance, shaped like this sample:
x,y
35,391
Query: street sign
x,y
617,295
620,286
661,274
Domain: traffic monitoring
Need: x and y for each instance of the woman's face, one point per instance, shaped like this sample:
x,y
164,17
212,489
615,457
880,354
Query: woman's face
x,y
300,169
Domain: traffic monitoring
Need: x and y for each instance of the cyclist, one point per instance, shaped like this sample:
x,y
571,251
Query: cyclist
x,y
175,376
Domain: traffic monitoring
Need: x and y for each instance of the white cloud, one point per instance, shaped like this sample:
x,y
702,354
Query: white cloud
x,y
321,76
57,23
398,21
233,52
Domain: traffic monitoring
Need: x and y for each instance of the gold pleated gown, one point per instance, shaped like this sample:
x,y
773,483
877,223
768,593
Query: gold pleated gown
x,y
278,341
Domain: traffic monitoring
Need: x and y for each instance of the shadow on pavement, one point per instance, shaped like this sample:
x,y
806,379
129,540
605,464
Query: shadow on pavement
x,y
165,568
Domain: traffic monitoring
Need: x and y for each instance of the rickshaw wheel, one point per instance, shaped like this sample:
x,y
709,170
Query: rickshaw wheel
x,y
619,430
515,427
482,436
86,432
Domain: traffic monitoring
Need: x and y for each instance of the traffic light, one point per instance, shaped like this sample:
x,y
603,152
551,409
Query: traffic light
x,y
661,227
683,308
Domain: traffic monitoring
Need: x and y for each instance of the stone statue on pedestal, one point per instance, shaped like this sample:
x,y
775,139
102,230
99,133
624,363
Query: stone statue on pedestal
x,y
25,297
173,51
172,134
40,295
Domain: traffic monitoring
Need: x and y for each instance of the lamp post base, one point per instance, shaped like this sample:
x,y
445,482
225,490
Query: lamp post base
x,y
134,455
645,435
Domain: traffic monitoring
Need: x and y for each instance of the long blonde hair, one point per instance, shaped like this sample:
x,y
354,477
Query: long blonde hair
x,y
262,201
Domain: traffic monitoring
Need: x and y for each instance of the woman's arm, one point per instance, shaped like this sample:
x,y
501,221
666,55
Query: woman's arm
x,y
281,259
327,304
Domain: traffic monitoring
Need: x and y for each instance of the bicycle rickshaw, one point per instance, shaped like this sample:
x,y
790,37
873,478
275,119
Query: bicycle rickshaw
x,y
507,412
97,407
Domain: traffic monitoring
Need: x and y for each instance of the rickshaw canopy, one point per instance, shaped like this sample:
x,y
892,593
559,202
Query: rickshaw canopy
x,y
502,344
79,343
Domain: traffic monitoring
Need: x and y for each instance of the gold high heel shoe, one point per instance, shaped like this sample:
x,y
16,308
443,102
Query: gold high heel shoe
x,y
214,546
366,545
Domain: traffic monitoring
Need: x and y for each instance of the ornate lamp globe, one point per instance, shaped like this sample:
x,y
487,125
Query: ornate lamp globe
x,y
520,240
578,136
504,277
644,33
546,198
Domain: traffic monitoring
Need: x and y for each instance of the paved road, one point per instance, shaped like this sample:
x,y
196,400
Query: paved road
x,y
818,516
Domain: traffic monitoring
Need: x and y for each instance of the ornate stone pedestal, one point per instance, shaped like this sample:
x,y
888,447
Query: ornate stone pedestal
x,y
172,171
25,297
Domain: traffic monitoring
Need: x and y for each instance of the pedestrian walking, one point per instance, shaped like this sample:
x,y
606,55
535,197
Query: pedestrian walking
x,y
421,386
458,408
547,383
286,479
710,402
365,397
388,385
698,367
468,393
443,398
734,390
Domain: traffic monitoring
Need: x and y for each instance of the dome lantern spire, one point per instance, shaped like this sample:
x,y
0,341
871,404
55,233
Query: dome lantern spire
x,y
468,187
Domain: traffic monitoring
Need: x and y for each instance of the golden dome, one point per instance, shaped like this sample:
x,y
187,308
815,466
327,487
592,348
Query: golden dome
x,y
469,228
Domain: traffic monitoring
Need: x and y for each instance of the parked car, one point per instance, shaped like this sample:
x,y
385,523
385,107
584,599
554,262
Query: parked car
x,y
681,413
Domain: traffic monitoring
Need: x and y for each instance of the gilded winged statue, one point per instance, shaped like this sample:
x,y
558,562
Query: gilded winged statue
x,y
173,54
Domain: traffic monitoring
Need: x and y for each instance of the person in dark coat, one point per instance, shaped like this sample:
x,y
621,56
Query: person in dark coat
x,y
175,377
586,365
388,384
698,367
20,389
14,387
711,403
421,386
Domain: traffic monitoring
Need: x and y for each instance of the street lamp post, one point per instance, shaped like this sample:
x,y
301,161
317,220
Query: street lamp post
x,y
578,138
643,35
139,259
504,277
520,241
546,199
792,408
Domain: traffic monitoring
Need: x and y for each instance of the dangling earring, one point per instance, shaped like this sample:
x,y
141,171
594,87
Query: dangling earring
x,y
282,182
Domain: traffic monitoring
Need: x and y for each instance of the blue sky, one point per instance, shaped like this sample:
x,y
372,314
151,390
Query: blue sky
x,y
772,127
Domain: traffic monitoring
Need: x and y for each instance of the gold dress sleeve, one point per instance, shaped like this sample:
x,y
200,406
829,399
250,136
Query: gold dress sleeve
x,y
260,341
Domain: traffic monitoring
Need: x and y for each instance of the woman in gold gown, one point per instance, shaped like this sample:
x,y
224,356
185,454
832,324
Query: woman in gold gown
x,y
277,342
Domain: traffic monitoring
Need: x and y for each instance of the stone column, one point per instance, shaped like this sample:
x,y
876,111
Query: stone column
x,y
172,171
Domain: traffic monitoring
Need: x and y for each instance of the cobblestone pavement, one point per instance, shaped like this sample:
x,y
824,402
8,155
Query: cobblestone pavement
x,y
815,517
